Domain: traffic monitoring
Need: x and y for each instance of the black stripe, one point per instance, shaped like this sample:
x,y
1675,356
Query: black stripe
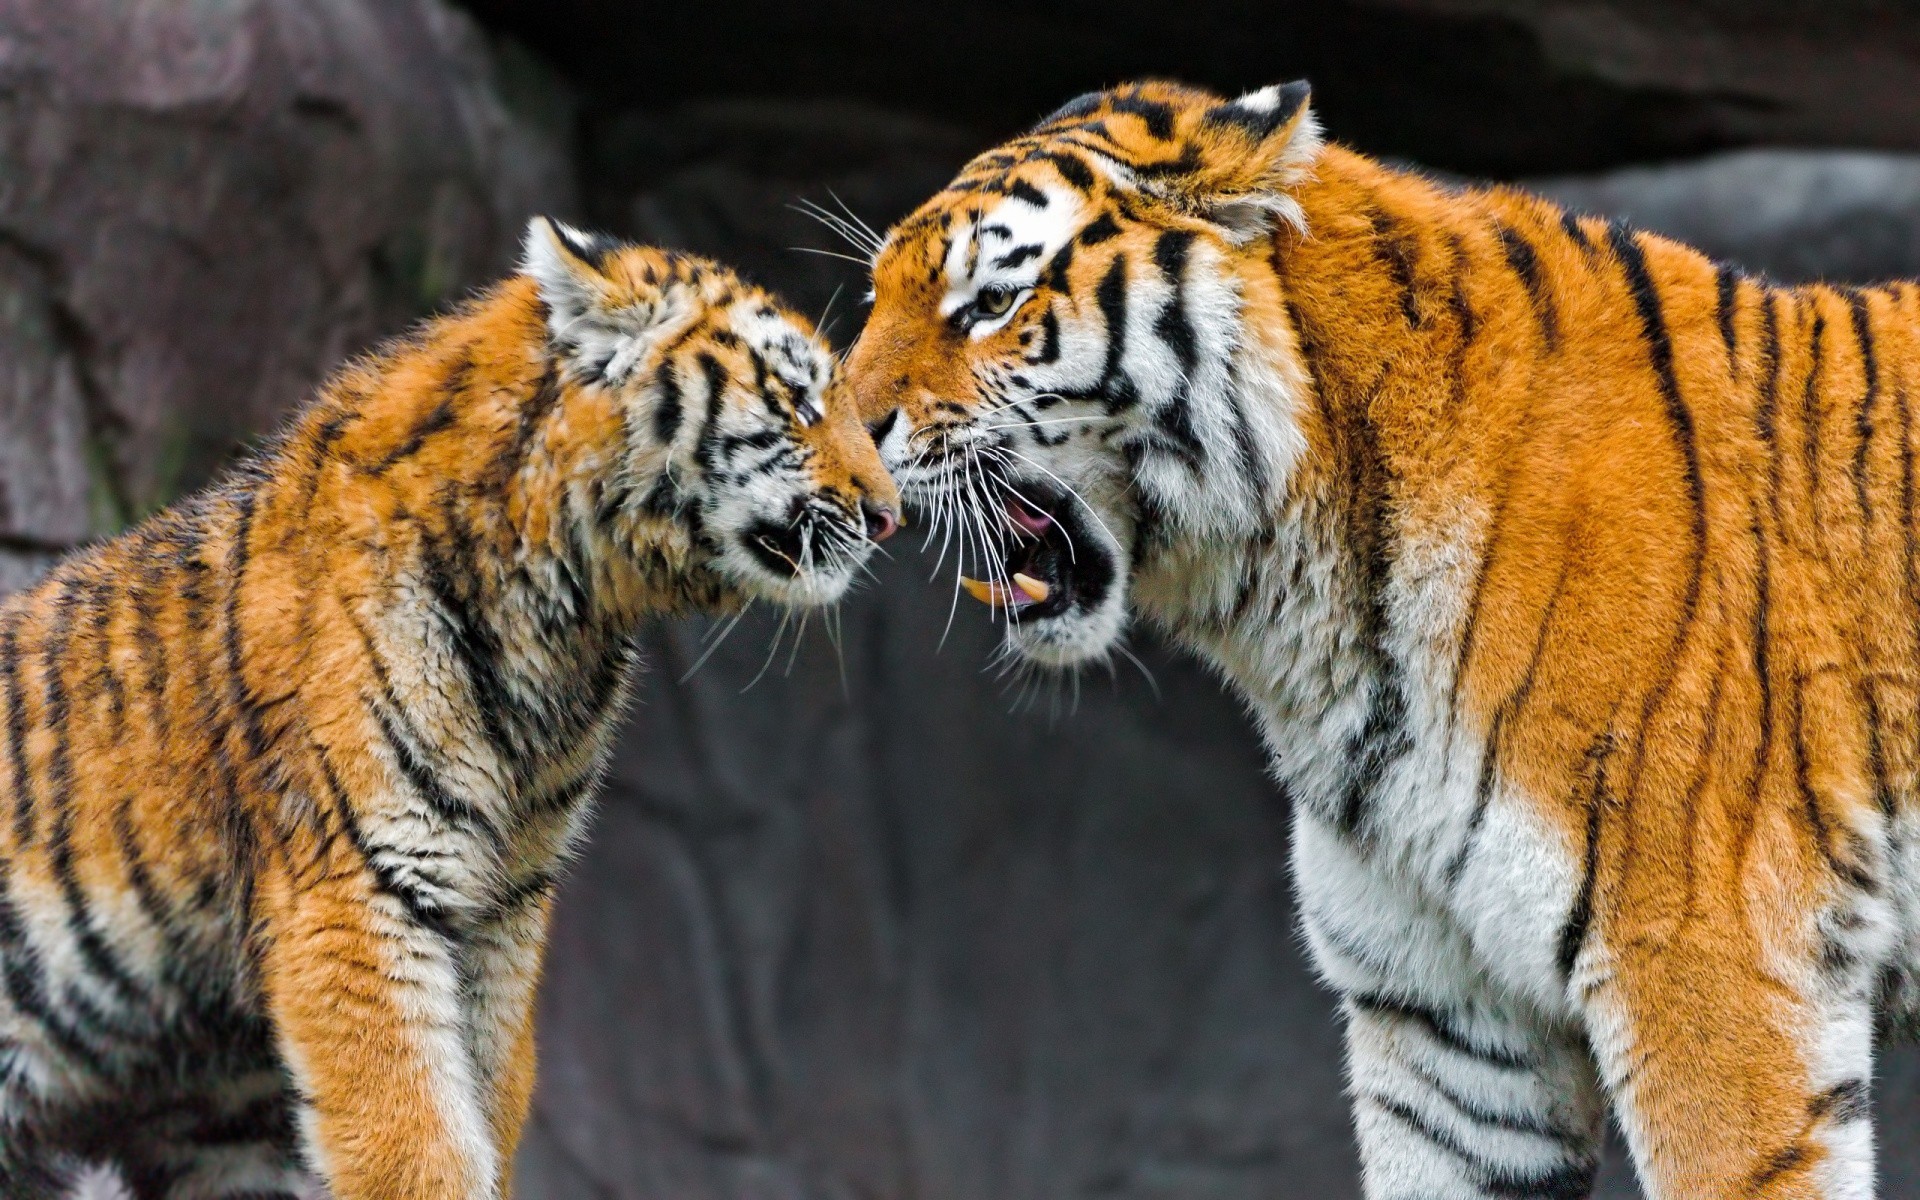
x,y
1382,738
57,718
1783,1160
1727,305
146,896
1525,262
1571,224
22,780
1571,1181
24,978
421,777
1910,551
1810,418
1843,1102
477,647
1762,654
1157,117
1573,934
1057,277
1852,872
1252,467
1020,189
1870,396
420,909
238,693
1646,297
1101,228
1111,296
1523,1124
1509,707
1017,255
1049,351
402,739
1173,327
1072,169
715,377
1393,247
666,414
438,418
533,413
101,597
1442,1029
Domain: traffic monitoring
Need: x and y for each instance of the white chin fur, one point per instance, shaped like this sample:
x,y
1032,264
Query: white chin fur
x,y
817,587
1074,638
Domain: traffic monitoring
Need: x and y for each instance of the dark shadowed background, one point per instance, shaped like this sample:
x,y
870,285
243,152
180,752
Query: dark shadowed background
x,y
871,928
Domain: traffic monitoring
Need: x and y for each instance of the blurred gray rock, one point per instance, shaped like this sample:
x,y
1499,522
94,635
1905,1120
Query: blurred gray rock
x,y
1797,215
205,206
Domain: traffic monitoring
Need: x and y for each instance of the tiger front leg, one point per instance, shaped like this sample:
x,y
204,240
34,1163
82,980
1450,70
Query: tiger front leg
x,y
503,968
368,1008
1735,1072
1460,1090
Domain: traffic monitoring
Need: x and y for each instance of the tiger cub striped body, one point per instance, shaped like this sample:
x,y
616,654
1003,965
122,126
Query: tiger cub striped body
x,y
289,770
1570,576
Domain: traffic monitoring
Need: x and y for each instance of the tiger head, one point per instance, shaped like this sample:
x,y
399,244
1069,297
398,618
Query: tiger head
x,y
1078,355
735,424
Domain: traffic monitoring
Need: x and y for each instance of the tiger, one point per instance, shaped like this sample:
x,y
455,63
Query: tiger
x,y
1568,575
292,768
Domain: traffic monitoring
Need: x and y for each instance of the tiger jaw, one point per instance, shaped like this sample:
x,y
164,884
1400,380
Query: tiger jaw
x,y
1057,575
808,558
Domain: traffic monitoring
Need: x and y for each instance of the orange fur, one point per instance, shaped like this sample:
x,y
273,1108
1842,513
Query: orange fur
x,y
292,767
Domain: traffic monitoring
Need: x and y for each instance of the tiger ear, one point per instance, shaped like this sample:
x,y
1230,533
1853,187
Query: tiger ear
x,y
568,264
1249,153
601,318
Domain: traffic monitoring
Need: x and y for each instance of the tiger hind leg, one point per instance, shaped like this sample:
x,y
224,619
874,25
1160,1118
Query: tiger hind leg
x,y
1733,1077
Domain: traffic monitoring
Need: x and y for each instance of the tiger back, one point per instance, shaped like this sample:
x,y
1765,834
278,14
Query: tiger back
x,y
290,770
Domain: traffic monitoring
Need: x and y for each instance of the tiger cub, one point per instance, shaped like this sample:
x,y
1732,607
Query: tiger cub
x,y
288,771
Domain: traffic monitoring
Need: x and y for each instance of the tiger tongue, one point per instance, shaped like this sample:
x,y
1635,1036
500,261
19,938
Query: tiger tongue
x,y
1027,519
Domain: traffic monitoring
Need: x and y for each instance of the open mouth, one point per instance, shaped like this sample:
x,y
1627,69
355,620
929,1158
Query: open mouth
x,y
1050,563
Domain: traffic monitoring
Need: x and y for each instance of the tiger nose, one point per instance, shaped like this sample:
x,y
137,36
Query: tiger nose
x,y
880,519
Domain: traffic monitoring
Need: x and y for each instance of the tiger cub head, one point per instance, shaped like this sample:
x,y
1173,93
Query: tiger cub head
x,y
734,423
1072,348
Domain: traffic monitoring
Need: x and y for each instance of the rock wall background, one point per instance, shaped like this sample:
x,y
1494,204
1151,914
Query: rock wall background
x,y
870,922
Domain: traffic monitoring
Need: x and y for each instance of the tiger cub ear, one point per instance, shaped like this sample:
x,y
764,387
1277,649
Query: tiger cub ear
x,y
1248,155
569,265
600,316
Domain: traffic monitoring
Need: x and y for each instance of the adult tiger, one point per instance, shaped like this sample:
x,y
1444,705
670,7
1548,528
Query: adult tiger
x,y
290,769
1569,575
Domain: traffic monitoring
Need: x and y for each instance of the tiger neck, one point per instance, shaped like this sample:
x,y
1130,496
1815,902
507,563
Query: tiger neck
x,y
1302,613
486,539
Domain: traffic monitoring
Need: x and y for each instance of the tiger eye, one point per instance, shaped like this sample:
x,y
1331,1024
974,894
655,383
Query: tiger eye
x,y
993,301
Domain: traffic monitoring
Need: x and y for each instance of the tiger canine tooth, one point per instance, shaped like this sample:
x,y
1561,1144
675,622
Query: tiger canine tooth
x,y
991,594
1035,590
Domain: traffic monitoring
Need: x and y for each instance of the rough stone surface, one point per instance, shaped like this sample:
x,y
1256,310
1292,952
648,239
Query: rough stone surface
x,y
205,206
